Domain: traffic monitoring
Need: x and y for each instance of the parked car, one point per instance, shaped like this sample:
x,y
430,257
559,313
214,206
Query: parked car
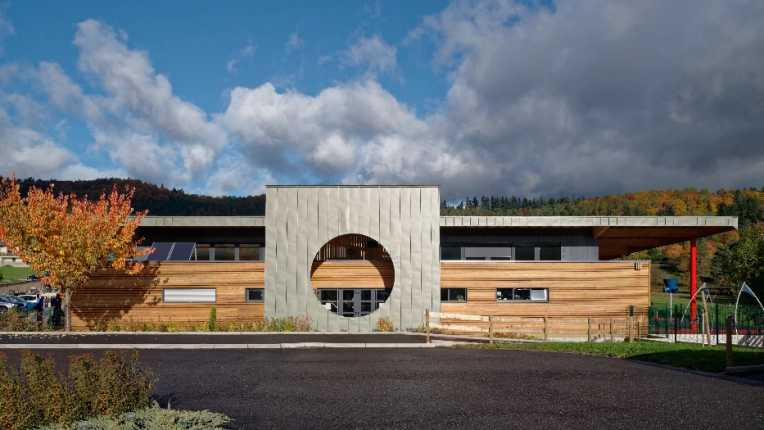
x,y
23,303
31,300
6,304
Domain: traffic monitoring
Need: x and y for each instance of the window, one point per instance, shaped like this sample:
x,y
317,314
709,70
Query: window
x,y
450,252
453,294
353,302
501,258
254,294
525,252
522,295
225,253
248,252
188,295
474,258
202,252
550,252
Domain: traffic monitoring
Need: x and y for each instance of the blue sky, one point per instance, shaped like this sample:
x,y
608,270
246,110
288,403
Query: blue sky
x,y
482,97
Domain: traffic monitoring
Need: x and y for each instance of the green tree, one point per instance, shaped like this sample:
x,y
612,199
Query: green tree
x,y
742,260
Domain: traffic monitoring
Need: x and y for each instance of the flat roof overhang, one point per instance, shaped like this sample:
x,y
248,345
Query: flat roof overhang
x,y
617,235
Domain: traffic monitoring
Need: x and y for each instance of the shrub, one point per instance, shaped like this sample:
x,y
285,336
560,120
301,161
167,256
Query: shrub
x,y
385,324
16,320
151,418
423,329
34,394
213,318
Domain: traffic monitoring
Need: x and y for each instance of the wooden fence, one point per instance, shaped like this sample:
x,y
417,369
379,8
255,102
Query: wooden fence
x,y
541,328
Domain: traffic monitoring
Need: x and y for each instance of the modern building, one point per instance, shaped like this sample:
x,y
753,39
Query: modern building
x,y
345,256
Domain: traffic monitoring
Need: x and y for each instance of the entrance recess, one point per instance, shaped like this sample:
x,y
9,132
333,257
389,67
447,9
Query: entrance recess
x,y
353,302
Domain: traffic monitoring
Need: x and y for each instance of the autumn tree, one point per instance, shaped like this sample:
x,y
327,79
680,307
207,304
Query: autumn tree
x,y
66,237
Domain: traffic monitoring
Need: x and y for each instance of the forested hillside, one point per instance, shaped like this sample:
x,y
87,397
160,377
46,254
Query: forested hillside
x,y
748,204
158,200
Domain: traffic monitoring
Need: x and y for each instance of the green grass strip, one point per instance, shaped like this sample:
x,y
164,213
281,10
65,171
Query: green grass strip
x,y
688,356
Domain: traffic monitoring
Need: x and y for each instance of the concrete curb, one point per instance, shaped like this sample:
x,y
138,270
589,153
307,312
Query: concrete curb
x,y
296,345
742,370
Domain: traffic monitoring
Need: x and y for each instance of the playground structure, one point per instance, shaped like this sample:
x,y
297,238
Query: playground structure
x,y
670,323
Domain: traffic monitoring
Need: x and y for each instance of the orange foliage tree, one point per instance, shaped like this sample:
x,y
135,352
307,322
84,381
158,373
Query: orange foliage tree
x,y
66,237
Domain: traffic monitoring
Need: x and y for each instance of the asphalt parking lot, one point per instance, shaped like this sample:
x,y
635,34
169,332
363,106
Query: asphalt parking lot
x,y
442,388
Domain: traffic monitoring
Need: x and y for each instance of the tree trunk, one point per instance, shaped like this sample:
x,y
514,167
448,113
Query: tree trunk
x,y
68,311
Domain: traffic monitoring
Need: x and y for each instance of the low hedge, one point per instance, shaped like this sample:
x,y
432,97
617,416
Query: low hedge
x,y
34,394
152,418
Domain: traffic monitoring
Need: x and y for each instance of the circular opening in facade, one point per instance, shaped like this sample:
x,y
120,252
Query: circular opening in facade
x,y
352,275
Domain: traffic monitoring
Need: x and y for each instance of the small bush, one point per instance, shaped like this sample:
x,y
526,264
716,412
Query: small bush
x,y
151,418
35,394
16,320
385,324
423,329
213,318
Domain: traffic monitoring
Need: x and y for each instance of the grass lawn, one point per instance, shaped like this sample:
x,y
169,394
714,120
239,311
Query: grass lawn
x,y
659,298
14,274
688,356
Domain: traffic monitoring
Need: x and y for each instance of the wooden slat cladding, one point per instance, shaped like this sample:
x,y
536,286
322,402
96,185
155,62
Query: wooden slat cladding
x,y
596,289
114,294
352,274
352,247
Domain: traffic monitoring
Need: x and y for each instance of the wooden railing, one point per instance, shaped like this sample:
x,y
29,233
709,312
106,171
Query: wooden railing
x,y
534,327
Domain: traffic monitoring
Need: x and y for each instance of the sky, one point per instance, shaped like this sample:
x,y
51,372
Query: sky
x,y
526,98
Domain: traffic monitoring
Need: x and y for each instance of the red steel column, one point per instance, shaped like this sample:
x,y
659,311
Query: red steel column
x,y
693,282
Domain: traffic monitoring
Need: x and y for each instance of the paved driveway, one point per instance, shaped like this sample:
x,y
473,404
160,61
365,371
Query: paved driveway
x,y
444,388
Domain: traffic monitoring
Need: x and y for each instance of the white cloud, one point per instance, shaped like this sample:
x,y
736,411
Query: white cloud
x,y
6,29
373,53
323,131
243,53
28,152
294,42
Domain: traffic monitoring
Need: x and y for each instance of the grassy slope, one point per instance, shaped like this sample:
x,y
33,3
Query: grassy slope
x,y
14,274
689,356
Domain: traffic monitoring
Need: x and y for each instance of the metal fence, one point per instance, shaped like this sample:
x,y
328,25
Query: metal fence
x,y
675,323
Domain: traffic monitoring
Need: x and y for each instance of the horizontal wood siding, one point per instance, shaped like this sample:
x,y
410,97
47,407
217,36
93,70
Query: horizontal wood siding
x,y
114,294
352,274
601,289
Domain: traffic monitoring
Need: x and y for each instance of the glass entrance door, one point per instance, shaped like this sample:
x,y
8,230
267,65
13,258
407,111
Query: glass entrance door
x,y
354,302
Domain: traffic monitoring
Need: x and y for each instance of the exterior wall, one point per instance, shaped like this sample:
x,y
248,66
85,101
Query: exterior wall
x,y
582,289
300,220
577,243
352,274
115,294
601,289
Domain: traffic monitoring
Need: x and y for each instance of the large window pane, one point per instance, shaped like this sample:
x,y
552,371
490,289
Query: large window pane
x,y
550,252
225,253
254,294
504,294
249,252
450,252
525,252
522,294
202,252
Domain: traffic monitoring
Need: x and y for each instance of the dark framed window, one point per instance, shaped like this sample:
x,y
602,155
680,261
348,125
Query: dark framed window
x,y
254,295
201,252
225,252
249,252
525,252
550,252
450,252
528,294
453,295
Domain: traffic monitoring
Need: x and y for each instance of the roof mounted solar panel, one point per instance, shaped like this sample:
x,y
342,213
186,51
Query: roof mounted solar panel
x,y
182,251
161,251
